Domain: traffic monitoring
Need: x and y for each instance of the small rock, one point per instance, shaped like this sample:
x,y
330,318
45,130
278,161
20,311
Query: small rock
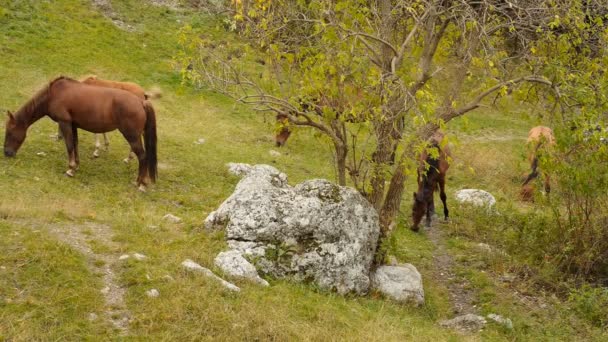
x,y
124,257
2,267
402,283
507,278
105,290
233,264
139,257
172,218
148,277
153,293
92,317
274,153
192,266
42,154
200,141
465,323
476,197
501,320
484,247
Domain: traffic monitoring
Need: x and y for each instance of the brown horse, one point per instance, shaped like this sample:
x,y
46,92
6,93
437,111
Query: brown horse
x,y
428,181
538,137
283,130
131,87
95,109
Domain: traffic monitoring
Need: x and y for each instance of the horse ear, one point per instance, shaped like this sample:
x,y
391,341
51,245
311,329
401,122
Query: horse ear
x,y
10,115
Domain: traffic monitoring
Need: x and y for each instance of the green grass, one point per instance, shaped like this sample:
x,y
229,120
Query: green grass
x,y
47,289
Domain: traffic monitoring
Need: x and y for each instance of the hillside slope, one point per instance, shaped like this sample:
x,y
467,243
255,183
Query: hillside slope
x,y
61,238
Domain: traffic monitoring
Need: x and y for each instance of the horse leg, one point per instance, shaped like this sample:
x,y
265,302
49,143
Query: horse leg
x,y
430,209
444,198
59,134
129,157
66,131
547,184
75,139
137,147
106,142
97,146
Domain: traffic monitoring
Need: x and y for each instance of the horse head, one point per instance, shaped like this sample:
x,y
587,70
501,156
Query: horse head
x,y
14,136
418,210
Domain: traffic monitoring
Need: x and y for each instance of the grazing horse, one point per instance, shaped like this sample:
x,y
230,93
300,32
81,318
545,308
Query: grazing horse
x,y
428,181
283,131
538,137
95,109
131,87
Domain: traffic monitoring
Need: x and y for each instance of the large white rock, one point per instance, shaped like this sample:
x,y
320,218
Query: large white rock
x,y
476,197
402,283
233,264
316,231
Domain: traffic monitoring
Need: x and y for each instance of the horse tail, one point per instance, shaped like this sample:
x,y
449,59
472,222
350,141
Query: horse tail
x,y
534,164
150,140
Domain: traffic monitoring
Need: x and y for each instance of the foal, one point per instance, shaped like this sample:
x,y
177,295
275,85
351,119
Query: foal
x,y
428,181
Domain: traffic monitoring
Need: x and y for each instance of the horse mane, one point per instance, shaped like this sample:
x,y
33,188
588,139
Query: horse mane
x,y
39,101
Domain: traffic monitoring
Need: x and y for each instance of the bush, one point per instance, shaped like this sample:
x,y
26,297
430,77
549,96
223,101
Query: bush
x,y
578,239
591,304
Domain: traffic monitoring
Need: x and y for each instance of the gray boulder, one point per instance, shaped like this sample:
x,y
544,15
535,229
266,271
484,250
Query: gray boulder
x,y
402,283
315,231
476,197
233,264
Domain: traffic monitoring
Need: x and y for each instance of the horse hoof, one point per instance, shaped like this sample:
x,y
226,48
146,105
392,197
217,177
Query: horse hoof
x,y
141,188
96,154
69,173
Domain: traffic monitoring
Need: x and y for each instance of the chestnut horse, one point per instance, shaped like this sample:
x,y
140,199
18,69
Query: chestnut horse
x,y
429,180
131,87
95,109
538,137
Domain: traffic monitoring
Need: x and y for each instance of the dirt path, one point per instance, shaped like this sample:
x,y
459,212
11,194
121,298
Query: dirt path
x,y
87,238
461,296
105,7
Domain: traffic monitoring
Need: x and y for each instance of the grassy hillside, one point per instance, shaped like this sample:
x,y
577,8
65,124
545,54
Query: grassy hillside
x,y
50,288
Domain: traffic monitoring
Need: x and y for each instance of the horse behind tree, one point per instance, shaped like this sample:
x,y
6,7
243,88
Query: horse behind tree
x,y
429,180
95,109
539,138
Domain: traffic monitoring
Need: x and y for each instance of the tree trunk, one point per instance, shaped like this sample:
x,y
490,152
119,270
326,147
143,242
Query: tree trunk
x,y
341,154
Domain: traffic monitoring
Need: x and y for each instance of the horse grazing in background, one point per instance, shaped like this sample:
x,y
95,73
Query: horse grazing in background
x,y
538,137
283,130
131,87
95,109
429,180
